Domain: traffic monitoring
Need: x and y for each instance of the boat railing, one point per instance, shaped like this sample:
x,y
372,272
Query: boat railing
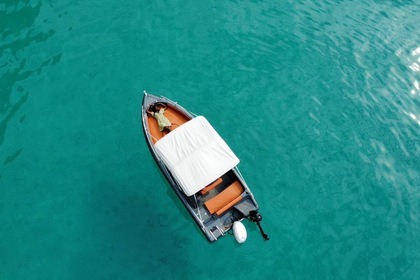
x,y
247,190
211,232
221,232
198,209
236,170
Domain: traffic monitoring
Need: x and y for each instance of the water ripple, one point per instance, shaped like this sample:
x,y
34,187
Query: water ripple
x,y
16,60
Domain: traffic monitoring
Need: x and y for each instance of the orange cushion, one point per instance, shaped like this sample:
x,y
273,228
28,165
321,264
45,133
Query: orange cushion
x,y
224,198
211,186
228,206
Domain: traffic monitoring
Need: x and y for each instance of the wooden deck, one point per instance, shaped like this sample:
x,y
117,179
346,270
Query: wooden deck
x,y
173,115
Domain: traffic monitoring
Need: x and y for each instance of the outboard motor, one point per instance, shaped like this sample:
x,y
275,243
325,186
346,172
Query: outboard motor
x,y
256,217
239,231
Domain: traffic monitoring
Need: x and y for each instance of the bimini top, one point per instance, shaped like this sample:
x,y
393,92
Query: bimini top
x,y
195,154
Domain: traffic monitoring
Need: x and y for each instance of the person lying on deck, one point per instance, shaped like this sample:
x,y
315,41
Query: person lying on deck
x,y
157,111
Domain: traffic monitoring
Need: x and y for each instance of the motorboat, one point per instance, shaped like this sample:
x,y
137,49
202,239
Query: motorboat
x,y
200,167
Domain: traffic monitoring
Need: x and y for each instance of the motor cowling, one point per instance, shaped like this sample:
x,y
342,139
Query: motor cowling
x,y
239,232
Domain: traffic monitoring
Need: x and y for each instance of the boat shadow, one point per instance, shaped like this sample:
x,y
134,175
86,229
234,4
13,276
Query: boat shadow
x,y
170,192
129,236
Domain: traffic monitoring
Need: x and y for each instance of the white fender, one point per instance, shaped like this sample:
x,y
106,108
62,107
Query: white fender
x,y
239,232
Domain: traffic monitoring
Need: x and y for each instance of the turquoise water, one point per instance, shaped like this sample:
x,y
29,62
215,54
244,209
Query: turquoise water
x,y
319,99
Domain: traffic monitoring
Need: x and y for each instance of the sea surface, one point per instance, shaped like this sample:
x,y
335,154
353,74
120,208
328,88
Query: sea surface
x,y
319,99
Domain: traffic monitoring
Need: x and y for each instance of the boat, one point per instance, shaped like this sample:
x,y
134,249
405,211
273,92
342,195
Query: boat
x,y
201,168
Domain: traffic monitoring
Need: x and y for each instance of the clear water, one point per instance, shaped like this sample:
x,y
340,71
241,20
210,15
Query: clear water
x,y
319,99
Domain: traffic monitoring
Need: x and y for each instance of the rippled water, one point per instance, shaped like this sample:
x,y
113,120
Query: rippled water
x,y
319,99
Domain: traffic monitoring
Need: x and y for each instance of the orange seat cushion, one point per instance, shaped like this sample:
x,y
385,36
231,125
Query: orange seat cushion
x,y
211,186
224,198
228,206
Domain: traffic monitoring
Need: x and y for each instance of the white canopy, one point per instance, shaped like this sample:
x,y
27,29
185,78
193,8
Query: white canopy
x,y
195,154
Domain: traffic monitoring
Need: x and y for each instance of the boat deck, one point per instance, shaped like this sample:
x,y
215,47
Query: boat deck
x,y
173,115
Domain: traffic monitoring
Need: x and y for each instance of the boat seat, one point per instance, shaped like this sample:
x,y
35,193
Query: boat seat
x,y
228,206
226,199
211,186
